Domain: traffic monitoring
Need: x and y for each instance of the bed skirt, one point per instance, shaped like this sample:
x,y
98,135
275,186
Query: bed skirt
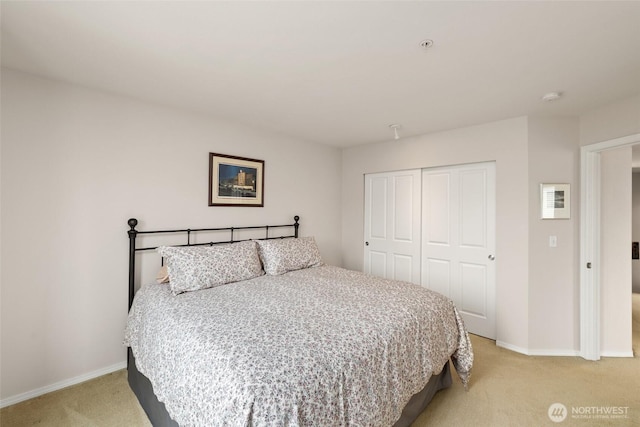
x,y
159,416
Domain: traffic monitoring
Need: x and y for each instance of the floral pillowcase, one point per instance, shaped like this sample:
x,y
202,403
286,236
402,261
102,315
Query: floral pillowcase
x,y
282,255
201,267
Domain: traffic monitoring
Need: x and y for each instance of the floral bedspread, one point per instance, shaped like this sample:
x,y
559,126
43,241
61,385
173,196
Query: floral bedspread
x,y
321,346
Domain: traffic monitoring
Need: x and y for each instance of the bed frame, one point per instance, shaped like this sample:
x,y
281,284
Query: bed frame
x,y
141,385
133,234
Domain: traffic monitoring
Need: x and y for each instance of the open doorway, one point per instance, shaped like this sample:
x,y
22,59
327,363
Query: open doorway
x,y
635,257
591,259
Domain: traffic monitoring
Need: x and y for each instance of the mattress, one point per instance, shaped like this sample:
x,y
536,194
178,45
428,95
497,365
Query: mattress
x,y
318,346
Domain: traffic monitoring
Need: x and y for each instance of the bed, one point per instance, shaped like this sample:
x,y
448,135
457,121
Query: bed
x,y
273,336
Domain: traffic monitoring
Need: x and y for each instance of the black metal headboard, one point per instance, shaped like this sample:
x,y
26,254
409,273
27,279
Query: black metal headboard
x,y
133,233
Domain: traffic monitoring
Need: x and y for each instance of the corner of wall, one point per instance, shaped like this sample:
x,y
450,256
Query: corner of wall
x,y
553,157
614,120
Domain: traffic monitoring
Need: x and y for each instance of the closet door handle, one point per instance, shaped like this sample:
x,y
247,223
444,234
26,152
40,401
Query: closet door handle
x,y
491,257
366,243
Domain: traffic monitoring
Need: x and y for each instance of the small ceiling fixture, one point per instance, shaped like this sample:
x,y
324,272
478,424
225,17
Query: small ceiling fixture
x,y
551,96
426,43
395,131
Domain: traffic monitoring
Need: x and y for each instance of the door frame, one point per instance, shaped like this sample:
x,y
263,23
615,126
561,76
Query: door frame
x,y
590,193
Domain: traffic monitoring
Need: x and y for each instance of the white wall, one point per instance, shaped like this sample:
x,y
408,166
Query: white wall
x,y
76,164
554,293
504,142
635,264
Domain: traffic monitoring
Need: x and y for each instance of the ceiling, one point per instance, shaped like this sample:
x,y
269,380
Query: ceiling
x,y
337,73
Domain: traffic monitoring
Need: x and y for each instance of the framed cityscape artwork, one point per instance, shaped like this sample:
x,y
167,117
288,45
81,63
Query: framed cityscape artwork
x,y
235,181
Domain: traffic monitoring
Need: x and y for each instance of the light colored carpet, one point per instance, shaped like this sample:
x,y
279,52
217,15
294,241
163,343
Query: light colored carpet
x,y
104,401
507,389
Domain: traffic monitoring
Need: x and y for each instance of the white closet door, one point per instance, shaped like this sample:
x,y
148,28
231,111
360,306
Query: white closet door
x,y
458,240
392,225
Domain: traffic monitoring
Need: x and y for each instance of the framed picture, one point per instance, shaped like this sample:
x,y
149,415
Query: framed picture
x,y
555,201
235,181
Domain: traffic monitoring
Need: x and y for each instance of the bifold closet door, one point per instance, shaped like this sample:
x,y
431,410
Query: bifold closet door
x,y
392,225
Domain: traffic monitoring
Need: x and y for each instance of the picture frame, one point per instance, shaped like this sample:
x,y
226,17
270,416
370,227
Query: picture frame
x,y
235,181
555,201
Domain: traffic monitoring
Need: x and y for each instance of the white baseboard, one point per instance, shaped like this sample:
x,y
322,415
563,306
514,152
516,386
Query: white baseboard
x,y
616,354
62,384
512,347
528,352
560,353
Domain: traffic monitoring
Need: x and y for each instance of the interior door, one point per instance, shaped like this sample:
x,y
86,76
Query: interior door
x,y
458,240
392,225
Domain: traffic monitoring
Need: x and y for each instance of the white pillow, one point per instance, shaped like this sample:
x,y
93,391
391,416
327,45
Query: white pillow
x,y
193,268
282,255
